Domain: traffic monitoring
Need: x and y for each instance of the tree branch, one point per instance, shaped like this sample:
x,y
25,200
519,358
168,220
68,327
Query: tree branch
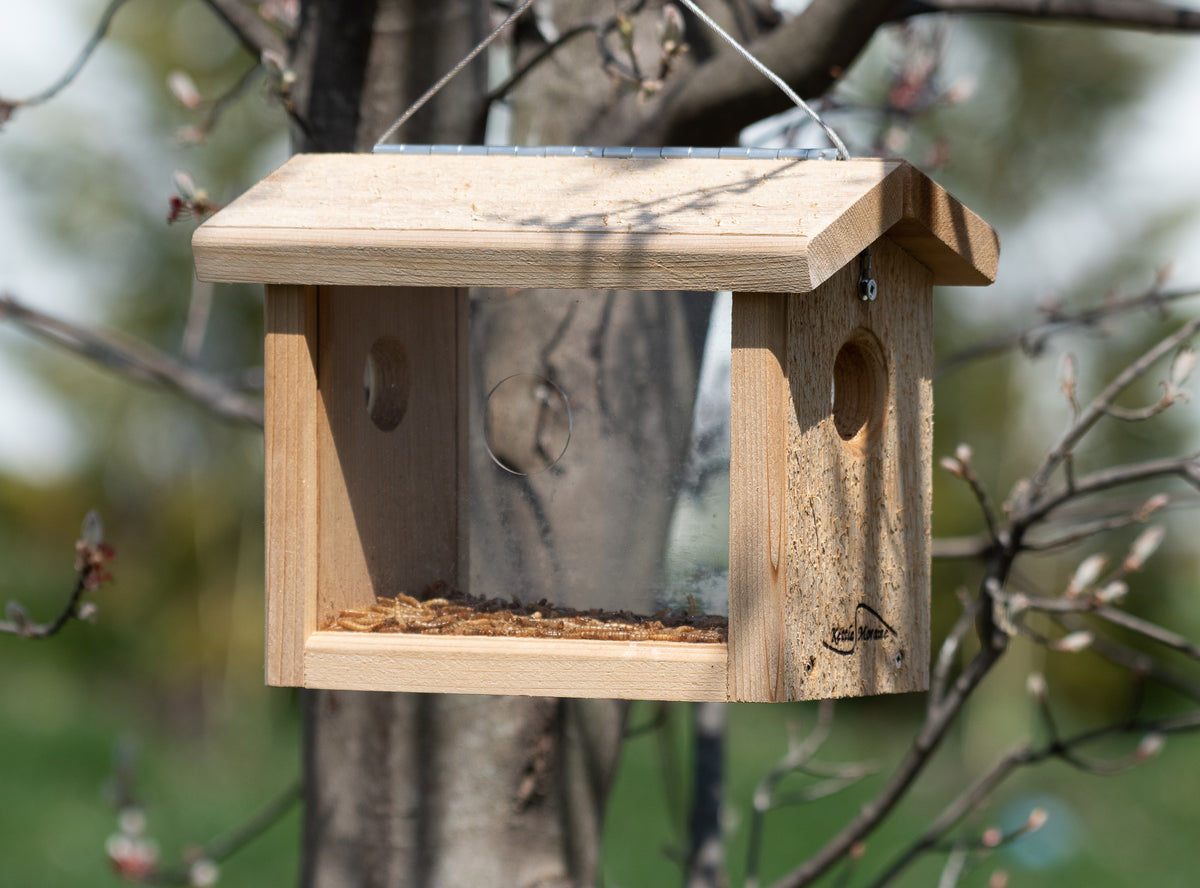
x,y
218,106
711,102
1138,662
937,721
1096,410
1117,617
1134,14
250,28
1185,467
510,83
91,571
1024,755
225,846
135,360
7,107
1033,338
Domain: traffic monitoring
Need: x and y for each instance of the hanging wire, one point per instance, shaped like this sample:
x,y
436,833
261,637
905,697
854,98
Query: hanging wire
x,y
843,152
463,62
622,152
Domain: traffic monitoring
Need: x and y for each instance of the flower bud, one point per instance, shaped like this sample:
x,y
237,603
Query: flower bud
x,y
1143,547
1074,642
1035,684
203,873
1086,574
1150,746
183,88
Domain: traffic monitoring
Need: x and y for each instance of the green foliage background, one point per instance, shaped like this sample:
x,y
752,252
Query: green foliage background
x,y
173,664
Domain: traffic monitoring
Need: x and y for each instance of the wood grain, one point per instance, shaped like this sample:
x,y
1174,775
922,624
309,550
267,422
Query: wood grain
x,y
549,667
391,501
932,217
857,608
751,225
757,497
291,478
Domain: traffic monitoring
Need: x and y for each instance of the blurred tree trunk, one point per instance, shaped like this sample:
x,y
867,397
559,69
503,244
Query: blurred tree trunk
x,y
428,790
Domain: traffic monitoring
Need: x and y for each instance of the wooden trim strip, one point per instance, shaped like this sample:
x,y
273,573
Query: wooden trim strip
x,y
544,667
554,260
291,478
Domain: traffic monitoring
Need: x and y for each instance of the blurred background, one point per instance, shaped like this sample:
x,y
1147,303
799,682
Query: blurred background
x,y
1079,145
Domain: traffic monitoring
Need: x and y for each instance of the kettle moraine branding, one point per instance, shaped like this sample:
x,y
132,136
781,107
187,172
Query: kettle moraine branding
x,y
844,639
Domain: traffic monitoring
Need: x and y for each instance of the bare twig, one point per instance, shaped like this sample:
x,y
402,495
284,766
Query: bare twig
x,y
92,555
135,857
135,360
502,89
225,846
1140,414
196,328
960,465
923,746
1096,409
979,545
966,802
250,28
1027,754
950,647
1185,467
1117,617
1082,532
7,107
1033,338
1135,14
1137,662
799,754
217,107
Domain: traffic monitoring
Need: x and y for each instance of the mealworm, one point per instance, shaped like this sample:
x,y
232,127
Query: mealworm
x,y
453,613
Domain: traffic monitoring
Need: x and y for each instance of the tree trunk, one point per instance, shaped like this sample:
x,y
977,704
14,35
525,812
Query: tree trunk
x,y
428,790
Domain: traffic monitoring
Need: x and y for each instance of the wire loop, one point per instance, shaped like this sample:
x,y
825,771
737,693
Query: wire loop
x,y
462,63
842,152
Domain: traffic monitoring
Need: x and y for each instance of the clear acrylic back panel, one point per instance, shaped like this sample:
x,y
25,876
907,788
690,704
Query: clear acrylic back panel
x,y
598,477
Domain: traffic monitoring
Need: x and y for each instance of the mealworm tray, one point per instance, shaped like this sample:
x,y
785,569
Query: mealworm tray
x,y
442,610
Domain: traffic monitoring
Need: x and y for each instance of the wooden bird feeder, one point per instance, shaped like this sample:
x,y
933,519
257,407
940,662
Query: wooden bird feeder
x,y
366,258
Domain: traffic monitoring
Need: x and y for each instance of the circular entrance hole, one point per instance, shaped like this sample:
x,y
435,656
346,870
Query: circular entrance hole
x,y
527,423
859,386
386,383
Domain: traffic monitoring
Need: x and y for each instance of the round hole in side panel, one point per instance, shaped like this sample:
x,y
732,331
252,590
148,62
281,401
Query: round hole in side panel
x,y
386,383
860,386
527,423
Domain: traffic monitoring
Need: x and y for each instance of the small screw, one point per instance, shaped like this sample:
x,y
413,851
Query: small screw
x,y
867,289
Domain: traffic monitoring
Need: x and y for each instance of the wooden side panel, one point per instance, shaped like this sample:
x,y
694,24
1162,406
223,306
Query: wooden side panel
x,y
757,496
391,443
859,483
534,666
291,478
